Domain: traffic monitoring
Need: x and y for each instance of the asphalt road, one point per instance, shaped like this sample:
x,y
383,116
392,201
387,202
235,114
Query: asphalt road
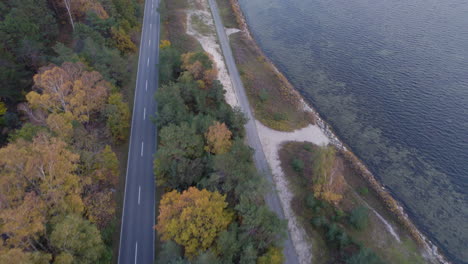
x,y
138,216
253,140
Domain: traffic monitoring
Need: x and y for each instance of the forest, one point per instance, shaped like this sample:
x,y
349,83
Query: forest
x,y
65,77
213,208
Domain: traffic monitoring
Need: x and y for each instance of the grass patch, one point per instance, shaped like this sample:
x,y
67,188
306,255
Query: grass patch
x,y
352,215
274,104
174,23
227,15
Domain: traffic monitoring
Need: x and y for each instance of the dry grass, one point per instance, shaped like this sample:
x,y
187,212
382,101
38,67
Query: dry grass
x,y
173,26
274,104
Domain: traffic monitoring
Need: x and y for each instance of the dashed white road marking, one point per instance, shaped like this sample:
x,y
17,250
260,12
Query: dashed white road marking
x,y
150,42
146,88
147,64
136,252
151,25
139,192
144,113
142,146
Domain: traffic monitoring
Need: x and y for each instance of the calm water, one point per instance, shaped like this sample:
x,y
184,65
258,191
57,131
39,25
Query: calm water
x,y
391,76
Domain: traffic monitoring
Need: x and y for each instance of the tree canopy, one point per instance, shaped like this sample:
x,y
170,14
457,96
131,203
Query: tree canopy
x,y
192,218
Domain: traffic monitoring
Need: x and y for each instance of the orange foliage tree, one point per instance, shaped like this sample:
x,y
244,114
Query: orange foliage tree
x,y
192,218
218,138
69,88
200,66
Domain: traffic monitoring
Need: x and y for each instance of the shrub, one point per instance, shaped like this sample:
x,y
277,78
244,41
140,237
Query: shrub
x,y
297,165
263,95
363,190
359,217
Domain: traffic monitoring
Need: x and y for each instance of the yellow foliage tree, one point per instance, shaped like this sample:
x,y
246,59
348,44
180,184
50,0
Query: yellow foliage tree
x,y
61,124
164,44
3,108
44,166
123,41
324,180
218,138
192,218
272,256
69,88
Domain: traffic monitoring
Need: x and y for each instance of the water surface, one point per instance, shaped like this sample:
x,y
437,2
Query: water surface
x,y
391,77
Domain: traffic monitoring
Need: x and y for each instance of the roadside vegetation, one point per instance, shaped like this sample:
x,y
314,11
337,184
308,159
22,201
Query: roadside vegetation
x,y
66,76
335,205
212,209
275,103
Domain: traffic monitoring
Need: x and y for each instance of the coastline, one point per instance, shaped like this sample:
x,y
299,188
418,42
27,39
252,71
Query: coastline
x,y
432,252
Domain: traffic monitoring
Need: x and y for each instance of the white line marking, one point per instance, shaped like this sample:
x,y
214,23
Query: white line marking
x,y
151,26
150,42
136,252
147,64
146,85
142,146
139,192
144,113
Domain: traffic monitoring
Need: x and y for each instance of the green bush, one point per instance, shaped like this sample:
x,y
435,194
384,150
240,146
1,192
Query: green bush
x,y
363,191
359,217
297,165
319,221
263,95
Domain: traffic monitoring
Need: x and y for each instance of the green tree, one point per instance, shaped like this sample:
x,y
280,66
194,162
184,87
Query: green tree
x,y
228,245
261,225
171,253
169,63
178,162
79,238
171,106
118,117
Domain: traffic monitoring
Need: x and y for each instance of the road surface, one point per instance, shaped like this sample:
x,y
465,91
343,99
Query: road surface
x,y
253,140
138,216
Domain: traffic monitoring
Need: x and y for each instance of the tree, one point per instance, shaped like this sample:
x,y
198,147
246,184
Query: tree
x,y
61,124
359,217
171,106
218,138
69,88
169,62
272,256
100,208
3,108
178,162
227,245
22,257
44,166
234,173
170,253
192,218
262,226
324,180
25,223
122,40
79,238
118,117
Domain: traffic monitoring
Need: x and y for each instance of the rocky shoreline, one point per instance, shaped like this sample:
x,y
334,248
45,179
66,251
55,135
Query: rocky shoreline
x,y
432,252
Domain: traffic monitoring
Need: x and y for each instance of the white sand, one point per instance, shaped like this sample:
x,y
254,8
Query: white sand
x,y
230,31
209,43
271,143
